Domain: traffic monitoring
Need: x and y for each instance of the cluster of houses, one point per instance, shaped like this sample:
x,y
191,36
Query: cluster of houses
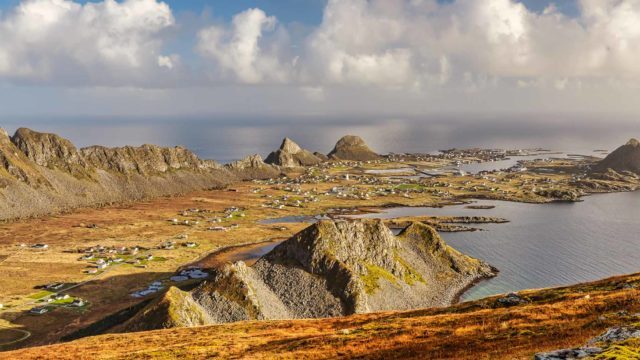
x,y
56,299
101,257
181,276
205,215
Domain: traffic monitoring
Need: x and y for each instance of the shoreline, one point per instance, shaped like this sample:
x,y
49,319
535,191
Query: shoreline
x,y
457,299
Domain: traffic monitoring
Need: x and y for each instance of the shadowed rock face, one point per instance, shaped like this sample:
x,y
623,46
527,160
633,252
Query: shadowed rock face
x,y
291,154
625,158
51,151
15,166
352,147
44,173
332,268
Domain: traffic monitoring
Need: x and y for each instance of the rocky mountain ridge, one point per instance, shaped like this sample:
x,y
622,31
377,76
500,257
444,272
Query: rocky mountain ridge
x,y
332,268
44,173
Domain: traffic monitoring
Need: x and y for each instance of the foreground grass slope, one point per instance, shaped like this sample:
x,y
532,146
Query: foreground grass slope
x,y
485,329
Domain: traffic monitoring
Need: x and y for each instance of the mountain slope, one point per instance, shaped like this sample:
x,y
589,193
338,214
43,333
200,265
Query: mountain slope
x,y
332,268
624,158
44,173
484,329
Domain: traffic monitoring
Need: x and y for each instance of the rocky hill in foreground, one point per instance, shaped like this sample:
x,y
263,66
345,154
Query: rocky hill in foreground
x,y
332,268
623,159
291,154
351,147
44,173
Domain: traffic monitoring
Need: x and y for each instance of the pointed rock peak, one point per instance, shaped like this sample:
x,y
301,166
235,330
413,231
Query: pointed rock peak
x,y
624,158
3,134
290,146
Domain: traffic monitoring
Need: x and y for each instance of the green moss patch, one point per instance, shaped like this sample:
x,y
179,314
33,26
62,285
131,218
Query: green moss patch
x,y
626,350
374,274
411,276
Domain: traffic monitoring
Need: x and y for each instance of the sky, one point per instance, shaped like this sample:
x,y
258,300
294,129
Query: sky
x,y
297,58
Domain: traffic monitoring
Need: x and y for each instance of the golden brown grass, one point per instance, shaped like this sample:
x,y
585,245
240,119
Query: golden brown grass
x,y
554,318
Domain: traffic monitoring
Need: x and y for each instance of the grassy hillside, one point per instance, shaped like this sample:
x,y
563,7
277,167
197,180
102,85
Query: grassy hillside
x,y
485,329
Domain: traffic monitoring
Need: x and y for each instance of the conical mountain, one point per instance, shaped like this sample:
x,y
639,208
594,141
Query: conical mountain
x,y
291,154
624,158
353,147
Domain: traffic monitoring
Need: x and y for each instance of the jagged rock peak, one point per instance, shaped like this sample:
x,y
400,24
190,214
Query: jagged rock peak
x,y
252,167
50,150
3,133
145,159
251,161
290,146
351,147
291,154
634,142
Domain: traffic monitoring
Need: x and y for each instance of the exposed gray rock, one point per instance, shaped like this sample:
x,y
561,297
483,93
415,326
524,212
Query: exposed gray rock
x,y
595,346
252,167
569,354
15,166
616,334
51,151
336,268
351,147
512,299
145,160
291,154
43,173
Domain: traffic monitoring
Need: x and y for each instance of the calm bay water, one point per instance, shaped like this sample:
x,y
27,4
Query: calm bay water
x,y
547,245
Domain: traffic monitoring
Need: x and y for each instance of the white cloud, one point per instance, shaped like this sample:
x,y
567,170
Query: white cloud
x,y
243,50
408,52
63,42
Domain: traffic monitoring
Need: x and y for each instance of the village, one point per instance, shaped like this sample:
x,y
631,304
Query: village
x,y
136,252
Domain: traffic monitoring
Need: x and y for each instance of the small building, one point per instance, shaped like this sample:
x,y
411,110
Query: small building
x,y
40,310
77,303
54,286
